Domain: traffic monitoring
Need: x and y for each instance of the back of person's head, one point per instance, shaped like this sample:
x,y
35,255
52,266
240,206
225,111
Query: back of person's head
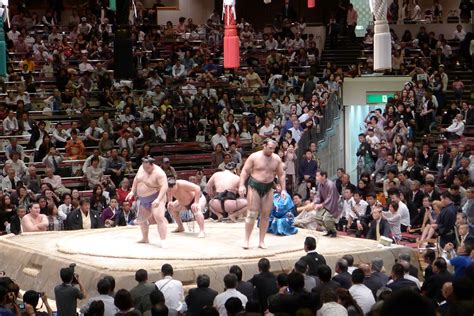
x,y
301,266
403,301
159,310
349,259
66,274
463,289
310,243
405,257
209,311
123,300
237,271
167,269
111,280
324,273
157,297
295,282
398,271
328,296
358,276
103,287
230,281
429,255
342,265
264,265
32,298
97,308
253,306
3,293
141,275
377,264
203,281
233,305
282,279
440,263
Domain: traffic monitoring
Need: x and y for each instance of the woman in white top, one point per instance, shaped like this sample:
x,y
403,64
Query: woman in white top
x,y
394,220
416,14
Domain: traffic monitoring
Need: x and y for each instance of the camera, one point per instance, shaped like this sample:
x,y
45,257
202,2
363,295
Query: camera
x,y
74,278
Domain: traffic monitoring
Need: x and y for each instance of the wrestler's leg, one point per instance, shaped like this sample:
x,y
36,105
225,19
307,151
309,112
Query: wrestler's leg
x,y
161,222
235,208
199,216
267,205
144,215
174,209
215,208
254,205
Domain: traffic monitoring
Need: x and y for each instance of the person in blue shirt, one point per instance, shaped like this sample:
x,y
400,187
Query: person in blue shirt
x,y
463,259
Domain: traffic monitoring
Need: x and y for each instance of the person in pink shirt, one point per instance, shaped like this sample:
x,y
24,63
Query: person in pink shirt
x,y
351,21
458,88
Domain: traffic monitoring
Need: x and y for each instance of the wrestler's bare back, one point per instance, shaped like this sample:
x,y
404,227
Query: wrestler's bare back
x,y
184,193
148,184
261,167
224,180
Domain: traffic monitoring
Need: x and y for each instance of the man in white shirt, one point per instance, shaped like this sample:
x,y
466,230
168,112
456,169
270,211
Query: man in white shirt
x,y
372,139
54,35
13,34
271,43
55,182
298,42
105,123
10,124
14,147
456,129
402,210
60,136
172,290
102,160
85,65
459,34
306,116
230,283
103,287
93,133
296,131
159,131
360,292
178,71
266,130
356,219
53,159
219,138
17,164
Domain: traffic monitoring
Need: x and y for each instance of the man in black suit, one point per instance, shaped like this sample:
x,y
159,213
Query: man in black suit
x,y
200,297
312,258
430,190
446,222
325,284
374,279
265,283
83,217
15,221
379,226
244,287
439,161
343,277
125,215
414,170
433,285
399,281
295,299
345,183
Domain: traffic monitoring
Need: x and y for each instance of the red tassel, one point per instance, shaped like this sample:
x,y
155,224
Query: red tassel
x,y
231,47
311,4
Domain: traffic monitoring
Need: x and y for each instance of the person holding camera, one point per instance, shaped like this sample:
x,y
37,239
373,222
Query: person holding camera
x,y
67,293
30,303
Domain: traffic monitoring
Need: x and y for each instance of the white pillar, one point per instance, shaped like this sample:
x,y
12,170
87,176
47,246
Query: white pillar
x,y
382,37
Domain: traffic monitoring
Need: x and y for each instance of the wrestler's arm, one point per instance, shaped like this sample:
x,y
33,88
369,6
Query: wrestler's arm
x,y
133,192
44,223
281,174
245,172
210,186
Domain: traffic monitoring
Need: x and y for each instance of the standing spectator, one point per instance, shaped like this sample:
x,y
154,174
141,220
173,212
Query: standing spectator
x,y
326,203
200,297
141,292
264,283
230,282
67,294
446,221
361,293
351,21
312,258
172,290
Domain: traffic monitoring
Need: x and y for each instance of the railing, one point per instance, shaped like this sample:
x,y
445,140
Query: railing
x,y
331,112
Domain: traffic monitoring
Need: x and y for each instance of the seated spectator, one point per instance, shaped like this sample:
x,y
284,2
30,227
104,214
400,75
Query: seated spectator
x,y
107,216
463,258
92,134
433,285
330,305
360,292
394,219
126,215
142,292
83,217
10,124
94,173
264,282
17,164
379,226
200,297
172,290
374,278
115,167
124,303
103,288
312,258
53,159
230,282
243,287
56,223
75,148
456,129
343,277
55,182
309,282
66,207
